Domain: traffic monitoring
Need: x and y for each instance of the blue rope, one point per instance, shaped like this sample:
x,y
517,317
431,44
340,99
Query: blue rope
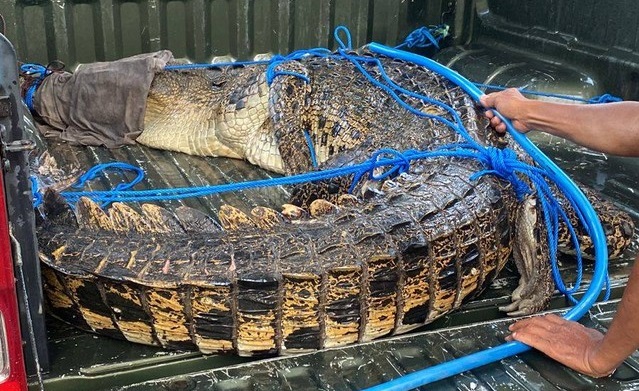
x,y
393,89
489,157
33,69
425,36
588,216
99,169
398,163
311,148
605,98
338,39
36,196
361,169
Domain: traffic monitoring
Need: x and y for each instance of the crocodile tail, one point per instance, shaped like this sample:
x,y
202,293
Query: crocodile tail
x,y
339,275
617,224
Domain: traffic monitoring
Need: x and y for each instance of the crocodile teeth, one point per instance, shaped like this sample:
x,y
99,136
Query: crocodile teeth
x,y
193,220
233,219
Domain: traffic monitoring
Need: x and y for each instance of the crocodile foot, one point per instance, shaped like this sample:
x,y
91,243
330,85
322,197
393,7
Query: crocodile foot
x,y
531,258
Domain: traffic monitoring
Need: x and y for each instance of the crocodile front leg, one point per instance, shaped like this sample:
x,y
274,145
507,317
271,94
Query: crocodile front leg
x,y
530,253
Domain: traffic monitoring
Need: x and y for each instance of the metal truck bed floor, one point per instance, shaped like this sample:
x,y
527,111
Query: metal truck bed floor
x,y
358,367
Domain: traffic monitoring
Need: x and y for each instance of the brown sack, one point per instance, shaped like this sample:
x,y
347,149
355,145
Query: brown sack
x,y
101,103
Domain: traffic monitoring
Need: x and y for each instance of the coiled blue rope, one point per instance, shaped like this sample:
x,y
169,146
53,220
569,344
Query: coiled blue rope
x,y
99,169
33,69
425,36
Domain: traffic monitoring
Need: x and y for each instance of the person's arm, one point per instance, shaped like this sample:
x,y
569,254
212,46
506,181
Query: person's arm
x,y
611,128
582,349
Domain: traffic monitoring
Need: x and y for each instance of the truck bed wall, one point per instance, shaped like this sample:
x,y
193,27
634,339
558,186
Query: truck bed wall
x,y
601,36
89,30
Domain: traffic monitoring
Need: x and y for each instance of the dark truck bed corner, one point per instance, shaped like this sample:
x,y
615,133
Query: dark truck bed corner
x,y
582,48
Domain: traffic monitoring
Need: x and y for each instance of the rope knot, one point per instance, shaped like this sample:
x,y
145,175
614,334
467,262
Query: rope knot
x,y
393,161
398,162
505,164
502,161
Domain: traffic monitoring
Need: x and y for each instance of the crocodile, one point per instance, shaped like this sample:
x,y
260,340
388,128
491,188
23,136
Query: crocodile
x,y
330,268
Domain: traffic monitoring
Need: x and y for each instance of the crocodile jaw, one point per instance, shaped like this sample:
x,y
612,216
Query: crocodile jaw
x,y
184,130
185,113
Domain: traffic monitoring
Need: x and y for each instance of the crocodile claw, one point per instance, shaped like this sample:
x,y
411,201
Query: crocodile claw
x,y
531,258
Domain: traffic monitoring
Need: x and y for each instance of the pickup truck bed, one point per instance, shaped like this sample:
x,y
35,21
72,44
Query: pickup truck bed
x,y
541,45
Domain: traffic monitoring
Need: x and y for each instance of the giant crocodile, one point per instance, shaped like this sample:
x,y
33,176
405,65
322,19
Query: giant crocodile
x,y
395,255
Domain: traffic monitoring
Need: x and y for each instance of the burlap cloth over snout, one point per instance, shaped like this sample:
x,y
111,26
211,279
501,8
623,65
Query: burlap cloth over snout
x,y
101,103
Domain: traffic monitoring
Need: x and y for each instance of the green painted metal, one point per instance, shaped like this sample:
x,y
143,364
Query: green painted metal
x,y
81,31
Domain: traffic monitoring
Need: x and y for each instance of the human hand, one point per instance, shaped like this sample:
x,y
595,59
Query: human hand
x,y
510,103
567,342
